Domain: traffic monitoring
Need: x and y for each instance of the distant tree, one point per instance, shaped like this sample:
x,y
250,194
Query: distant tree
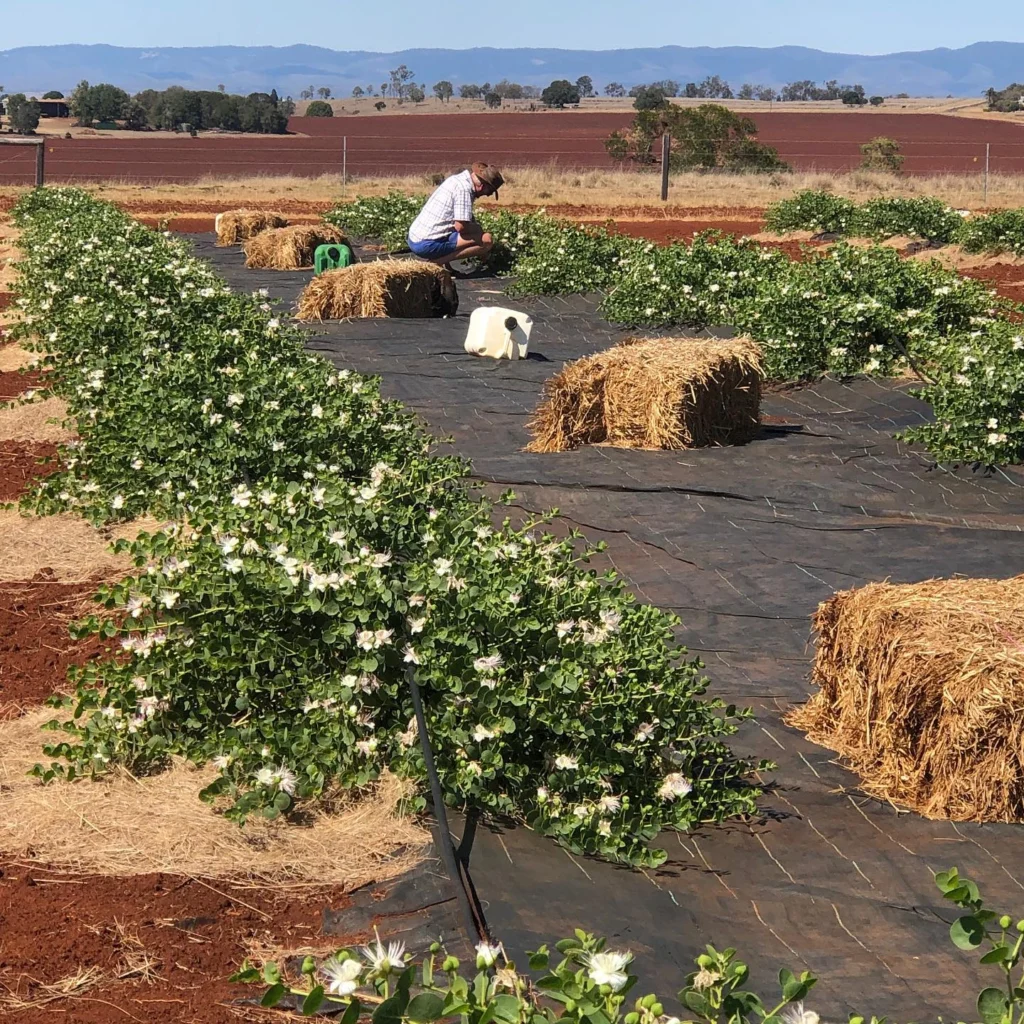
x,y
470,91
877,101
324,92
1003,100
306,94
881,154
559,93
509,90
708,137
747,91
23,113
443,90
690,92
650,97
615,89
274,98
380,105
287,106
585,84
98,102
668,86
258,113
136,117
765,93
222,88
384,89
415,93
318,108
906,95
714,88
53,94
400,79
357,92
853,98
493,100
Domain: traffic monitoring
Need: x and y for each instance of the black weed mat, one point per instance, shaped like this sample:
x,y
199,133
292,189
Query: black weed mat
x,y
743,543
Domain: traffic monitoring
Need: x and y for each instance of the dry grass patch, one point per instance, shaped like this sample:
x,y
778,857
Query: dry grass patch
x,y
68,547
123,825
41,420
289,248
921,689
661,393
385,288
236,226
14,357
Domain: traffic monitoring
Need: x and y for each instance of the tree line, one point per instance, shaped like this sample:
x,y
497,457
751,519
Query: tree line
x,y
652,96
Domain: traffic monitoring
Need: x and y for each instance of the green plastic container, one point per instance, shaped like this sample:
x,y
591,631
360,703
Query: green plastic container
x,y
331,257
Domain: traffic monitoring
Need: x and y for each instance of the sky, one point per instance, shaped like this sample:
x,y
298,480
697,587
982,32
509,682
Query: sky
x,y
867,26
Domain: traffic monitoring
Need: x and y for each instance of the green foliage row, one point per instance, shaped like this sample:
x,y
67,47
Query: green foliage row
x,y
318,553
824,212
995,233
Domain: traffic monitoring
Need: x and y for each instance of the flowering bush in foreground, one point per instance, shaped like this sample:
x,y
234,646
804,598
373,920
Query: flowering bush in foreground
x,y
385,219
998,232
590,983
317,553
811,210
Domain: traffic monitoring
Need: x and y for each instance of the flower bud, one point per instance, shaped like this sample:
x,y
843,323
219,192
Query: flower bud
x,y
1005,921
657,1009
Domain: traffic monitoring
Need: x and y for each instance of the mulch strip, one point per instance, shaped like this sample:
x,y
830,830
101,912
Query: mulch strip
x,y
55,924
20,466
15,382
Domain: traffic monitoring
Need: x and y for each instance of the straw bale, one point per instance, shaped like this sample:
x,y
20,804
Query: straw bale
x,y
41,420
235,226
289,248
65,546
384,288
921,690
126,825
659,393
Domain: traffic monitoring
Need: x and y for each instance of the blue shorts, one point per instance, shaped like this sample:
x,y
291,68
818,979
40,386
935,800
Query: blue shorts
x,y
435,247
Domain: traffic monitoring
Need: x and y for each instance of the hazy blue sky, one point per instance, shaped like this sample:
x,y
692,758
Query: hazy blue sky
x,y
867,26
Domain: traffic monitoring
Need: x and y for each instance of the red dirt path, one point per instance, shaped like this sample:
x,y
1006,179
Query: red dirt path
x,y
378,145
19,465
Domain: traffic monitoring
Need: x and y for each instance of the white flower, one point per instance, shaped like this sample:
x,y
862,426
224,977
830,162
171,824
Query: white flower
x,y
384,961
487,955
118,501
416,625
611,620
265,776
564,762
367,747
488,663
542,794
408,738
443,566
235,400
234,565
228,544
993,423
284,778
609,804
581,811
514,598
241,496
645,732
221,762
364,640
342,976
135,605
608,968
317,412
410,654
996,438
796,1014
565,628
705,979
383,636
675,785
168,598
480,733
381,560
604,828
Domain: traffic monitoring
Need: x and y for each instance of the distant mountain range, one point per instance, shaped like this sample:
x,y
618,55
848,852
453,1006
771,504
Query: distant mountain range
x,y
289,69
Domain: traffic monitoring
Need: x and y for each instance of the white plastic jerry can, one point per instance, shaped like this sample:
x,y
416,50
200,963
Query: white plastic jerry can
x,y
216,222
498,333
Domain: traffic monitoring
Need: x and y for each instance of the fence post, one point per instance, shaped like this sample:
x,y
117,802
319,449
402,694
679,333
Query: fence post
x,y
988,154
344,161
40,162
666,144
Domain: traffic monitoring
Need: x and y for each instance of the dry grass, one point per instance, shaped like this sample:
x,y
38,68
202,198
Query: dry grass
x,y
44,993
14,357
384,288
663,393
922,692
67,547
289,248
123,825
40,420
236,226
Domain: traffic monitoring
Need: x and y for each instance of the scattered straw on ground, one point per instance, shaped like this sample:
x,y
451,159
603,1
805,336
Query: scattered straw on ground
x,y
125,826
14,357
68,547
35,421
236,226
289,248
71,986
661,393
953,257
922,691
385,288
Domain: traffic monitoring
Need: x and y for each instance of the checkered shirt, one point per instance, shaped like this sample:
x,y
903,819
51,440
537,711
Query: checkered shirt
x,y
452,201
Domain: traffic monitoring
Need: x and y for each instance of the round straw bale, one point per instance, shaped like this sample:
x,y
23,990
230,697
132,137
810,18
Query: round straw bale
x,y
236,226
662,393
384,288
921,690
289,248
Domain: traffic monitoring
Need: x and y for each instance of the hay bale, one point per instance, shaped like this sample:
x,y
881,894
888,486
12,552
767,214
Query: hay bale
x,y
660,393
922,692
236,226
289,248
385,288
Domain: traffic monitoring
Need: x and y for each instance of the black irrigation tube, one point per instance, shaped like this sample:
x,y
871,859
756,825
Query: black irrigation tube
x,y
456,862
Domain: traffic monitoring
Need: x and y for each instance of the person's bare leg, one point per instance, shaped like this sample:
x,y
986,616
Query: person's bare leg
x,y
466,249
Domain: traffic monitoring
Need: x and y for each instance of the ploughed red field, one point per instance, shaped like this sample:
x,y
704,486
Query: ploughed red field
x,y
931,143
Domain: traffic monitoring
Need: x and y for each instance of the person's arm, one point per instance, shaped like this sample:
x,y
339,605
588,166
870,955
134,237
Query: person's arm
x,y
465,222
469,229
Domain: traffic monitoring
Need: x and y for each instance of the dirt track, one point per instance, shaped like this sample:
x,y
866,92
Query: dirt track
x,y
932,143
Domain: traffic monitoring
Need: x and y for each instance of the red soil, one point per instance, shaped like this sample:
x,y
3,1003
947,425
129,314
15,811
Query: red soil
x,y
6,298
931,143
14,383
664,231
1007,279
54,924
19,466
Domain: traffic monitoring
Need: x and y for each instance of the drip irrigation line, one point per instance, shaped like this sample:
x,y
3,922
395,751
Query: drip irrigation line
x,y
456,862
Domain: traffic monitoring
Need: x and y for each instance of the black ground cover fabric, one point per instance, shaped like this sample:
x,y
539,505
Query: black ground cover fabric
x,y
743,543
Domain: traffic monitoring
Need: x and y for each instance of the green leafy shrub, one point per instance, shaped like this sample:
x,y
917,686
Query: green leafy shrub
x,y
811,210
385,219
999,232
881,154
317,553
318,108
921,217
